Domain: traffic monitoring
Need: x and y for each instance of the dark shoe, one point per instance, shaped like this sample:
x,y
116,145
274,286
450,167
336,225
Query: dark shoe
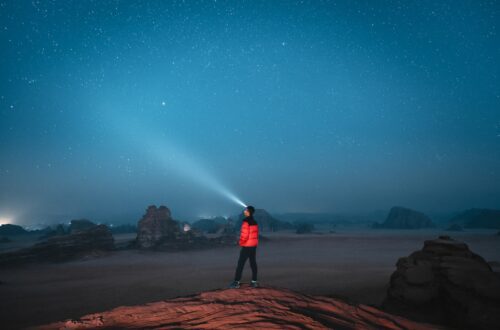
x,y
254,284
234,285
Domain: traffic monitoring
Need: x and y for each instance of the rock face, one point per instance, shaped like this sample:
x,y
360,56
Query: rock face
x,y
80,225
446,283
478,218
62,248
12,230
156,226
267,222
404,218
243,308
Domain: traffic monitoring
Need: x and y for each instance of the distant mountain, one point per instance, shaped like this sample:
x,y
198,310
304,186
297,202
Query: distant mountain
x,y
333,218
10,230
405,218
266,221
478,218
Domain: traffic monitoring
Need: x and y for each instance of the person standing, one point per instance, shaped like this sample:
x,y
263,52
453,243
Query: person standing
x,y
249,239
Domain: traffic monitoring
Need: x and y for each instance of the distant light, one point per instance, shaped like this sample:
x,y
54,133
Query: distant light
x,y
5,221
163,103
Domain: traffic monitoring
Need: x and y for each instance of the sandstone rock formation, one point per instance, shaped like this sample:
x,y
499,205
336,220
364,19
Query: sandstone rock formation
x,y
156,226
157,230
244,308
446,283
61,248
266,221
478,218
404,218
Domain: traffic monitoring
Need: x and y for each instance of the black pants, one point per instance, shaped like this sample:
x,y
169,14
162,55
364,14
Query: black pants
x,y
245,253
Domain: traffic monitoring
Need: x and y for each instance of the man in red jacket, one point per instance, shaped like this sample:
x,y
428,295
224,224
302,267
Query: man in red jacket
x,y
249,239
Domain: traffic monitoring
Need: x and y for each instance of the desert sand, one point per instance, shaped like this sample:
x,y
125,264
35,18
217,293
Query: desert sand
x,y
354,265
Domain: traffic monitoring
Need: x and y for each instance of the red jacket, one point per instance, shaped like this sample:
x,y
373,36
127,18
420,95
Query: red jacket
x,y
249,234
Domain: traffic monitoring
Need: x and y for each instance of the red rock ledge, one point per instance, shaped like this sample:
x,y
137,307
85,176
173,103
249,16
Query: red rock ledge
x,y
243,308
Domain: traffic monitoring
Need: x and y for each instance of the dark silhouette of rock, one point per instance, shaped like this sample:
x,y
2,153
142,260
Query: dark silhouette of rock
x,y
478,218
404,218
157,230
446,283
455,227
266,221
58,231
12,230
78,225
243,308
5,240
156,226
62,248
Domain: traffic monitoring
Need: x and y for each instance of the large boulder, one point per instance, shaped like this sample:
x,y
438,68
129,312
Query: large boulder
x,y
266,221
157,226
446,283
61,248
478,218
12,230
405,218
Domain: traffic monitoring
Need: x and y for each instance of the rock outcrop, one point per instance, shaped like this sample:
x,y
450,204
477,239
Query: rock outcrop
x,y
446,283
157,226
404,218
478,218
266,221
62,248
244,308
157,230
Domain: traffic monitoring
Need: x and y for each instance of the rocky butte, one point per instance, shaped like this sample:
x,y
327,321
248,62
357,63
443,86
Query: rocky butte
x,y
404,218
446,283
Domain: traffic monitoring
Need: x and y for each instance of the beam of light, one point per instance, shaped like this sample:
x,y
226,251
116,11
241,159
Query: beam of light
x,y
172,157
191,169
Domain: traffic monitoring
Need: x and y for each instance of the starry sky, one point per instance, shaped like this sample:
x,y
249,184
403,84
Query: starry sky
x,y
107,107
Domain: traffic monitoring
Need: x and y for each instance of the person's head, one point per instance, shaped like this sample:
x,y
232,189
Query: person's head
x,y
249,210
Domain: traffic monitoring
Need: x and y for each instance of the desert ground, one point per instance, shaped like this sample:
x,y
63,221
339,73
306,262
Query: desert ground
x,y
352,264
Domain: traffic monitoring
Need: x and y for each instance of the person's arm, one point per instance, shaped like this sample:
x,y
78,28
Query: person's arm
x,y
245,233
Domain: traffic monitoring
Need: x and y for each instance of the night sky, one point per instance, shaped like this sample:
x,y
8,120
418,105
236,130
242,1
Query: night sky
x,y
107,107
